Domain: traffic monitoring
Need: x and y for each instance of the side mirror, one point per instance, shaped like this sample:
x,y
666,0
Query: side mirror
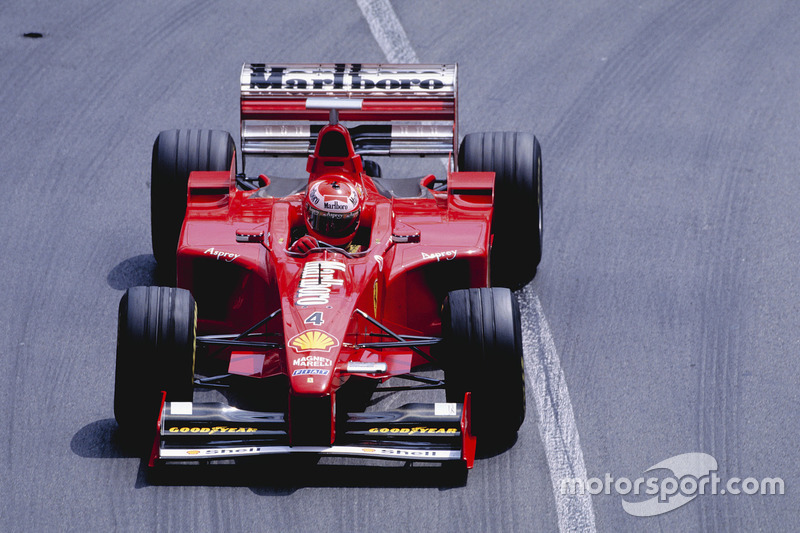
x,y
403,233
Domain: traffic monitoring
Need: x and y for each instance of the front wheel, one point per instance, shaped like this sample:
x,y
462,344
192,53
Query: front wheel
x,y
155,352
483,355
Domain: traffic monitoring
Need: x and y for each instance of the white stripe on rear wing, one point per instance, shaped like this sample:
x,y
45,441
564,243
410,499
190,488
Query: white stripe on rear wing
x,y
274,95
373,140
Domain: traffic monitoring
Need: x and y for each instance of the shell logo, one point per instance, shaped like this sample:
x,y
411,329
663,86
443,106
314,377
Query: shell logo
x,y
313,340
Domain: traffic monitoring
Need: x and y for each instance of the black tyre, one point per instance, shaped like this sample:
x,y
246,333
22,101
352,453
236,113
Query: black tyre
x,y
176,153
155,352
516,160
483,355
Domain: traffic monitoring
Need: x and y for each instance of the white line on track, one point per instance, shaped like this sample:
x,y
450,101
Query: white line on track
x,y
388,31
557,427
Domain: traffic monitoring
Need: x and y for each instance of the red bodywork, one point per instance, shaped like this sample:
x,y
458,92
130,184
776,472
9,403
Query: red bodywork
x,y
233,256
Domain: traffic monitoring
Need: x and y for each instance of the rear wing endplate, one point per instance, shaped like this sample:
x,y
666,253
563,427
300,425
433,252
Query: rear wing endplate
x,y
277,99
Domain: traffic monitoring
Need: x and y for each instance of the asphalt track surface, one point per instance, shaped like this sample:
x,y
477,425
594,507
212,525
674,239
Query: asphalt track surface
x,y
667,293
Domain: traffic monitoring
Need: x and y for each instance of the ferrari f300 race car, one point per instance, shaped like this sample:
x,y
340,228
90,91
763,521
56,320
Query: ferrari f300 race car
x,y
402,283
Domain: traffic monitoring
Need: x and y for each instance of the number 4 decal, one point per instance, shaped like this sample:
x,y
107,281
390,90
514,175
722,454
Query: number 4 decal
x,y
315,318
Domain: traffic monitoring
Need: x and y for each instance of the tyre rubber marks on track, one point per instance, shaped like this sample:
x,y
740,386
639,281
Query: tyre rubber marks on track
x,y
547,384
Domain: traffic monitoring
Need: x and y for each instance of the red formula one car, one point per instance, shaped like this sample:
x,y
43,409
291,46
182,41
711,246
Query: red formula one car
x,y
313,291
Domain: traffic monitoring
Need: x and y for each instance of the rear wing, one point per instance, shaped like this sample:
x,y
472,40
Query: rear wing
x,y
401,109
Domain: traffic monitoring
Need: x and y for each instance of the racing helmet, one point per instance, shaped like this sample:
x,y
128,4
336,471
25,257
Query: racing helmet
x,y
332,209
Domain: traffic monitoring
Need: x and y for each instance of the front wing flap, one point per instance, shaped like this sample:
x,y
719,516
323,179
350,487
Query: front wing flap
x,y
413,432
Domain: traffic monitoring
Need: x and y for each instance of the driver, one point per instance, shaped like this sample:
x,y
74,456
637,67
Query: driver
x,y
331,210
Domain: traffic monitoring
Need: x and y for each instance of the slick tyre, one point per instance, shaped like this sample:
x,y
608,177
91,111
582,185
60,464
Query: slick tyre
x,y
155,352
516,160
176,153
483,355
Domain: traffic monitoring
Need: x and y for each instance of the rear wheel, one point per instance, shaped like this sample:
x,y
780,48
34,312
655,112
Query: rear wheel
x,y
155,352
516,160
176,153
483,355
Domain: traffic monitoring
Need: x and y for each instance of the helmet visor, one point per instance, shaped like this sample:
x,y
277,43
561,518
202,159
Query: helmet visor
x,y
334,225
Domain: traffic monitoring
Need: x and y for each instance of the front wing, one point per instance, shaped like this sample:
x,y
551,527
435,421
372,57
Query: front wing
x,y
435,432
